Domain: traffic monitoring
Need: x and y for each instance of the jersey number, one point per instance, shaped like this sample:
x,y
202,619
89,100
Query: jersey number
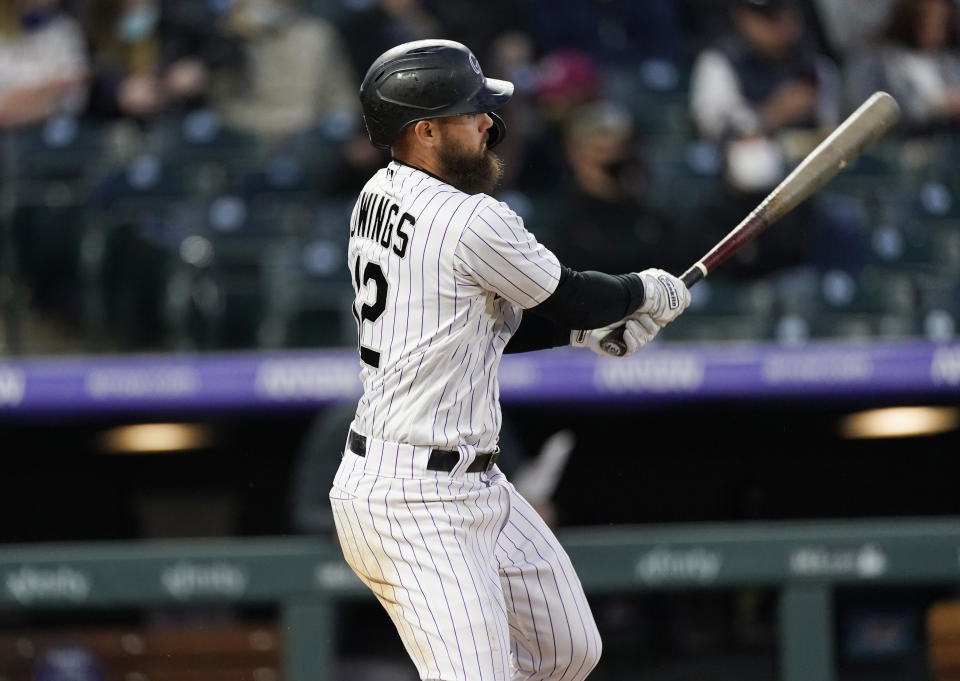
x,y
369,312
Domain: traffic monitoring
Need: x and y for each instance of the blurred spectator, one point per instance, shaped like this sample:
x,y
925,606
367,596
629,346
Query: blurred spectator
x,y
850,26
762,80
386,23
511,56
562,82
152,56
706,21
614,32
763,95
355,160
462,22
43,64
703,21
368,34
297,73
919,63
567,78
602,222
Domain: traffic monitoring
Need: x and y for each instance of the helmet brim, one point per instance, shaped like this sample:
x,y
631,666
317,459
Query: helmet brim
x,y
494,94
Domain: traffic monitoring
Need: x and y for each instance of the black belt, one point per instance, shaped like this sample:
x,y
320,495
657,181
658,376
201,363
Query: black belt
x,y
440,459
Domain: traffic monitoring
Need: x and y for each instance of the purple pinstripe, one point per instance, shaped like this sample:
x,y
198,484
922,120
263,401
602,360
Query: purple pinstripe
x,y
517,270
426,244
416,374
442,395
409,289
589,646
535,264
490,285
473,577
443,238
459,588
416,611
426,598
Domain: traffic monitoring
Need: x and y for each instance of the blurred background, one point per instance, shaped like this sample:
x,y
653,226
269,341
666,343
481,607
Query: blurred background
x,y
178,360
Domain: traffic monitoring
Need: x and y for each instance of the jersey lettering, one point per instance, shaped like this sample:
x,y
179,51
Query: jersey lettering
x,y
404,237
377,221
369,312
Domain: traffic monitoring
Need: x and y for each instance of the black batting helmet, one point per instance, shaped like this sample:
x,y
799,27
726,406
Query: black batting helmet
x,y
428,79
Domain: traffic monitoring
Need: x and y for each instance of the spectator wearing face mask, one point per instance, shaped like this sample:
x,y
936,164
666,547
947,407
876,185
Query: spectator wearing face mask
x,y
43,65
296,73
764,96
918,61
758,83
153,57
604,222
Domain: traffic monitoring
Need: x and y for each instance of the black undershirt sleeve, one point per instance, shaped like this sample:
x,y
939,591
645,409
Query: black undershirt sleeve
x,y
537,333
589,300
582,300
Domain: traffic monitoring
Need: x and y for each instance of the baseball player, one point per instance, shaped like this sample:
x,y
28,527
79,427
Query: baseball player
x,y
476,584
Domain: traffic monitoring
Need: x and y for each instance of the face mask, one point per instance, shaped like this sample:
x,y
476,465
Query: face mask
x,y
35,19
621,168
137,24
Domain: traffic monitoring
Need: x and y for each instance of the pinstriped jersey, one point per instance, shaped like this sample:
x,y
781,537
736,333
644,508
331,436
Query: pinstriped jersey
x,y
441,279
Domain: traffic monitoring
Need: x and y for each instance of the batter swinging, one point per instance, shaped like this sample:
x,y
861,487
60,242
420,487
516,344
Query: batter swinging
x,y
476,584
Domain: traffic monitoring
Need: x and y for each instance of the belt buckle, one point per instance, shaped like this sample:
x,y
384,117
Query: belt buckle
x,y
494,455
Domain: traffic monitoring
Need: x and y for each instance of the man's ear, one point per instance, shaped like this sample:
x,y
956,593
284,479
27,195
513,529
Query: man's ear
x,y
427,132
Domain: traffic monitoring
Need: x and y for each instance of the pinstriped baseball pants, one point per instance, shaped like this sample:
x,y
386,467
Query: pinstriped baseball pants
x,y
476,584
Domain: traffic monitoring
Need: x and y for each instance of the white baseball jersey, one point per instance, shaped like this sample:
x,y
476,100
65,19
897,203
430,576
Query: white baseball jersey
x,y
441,278
476,584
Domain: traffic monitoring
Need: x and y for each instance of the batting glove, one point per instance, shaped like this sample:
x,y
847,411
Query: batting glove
x,y
639,329
666,296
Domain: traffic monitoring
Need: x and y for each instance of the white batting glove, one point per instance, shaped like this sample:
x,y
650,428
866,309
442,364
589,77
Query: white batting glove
x,y
639,329
666,296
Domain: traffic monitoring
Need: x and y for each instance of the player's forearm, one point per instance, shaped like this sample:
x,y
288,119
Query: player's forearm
x,y
589,300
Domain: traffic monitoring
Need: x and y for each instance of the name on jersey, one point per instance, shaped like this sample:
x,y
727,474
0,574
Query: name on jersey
x,y
377,221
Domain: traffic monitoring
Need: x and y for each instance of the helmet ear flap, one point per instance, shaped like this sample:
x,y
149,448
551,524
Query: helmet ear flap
x,y
497,131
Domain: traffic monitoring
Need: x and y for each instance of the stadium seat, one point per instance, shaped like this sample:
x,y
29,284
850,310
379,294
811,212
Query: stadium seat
x,y
199,134
52,166
236,652
943,640
48,242
58,149
309,291
146,180
655,90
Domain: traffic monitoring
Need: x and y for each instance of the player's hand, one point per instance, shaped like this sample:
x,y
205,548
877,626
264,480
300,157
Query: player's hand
x,y
639,329
665,296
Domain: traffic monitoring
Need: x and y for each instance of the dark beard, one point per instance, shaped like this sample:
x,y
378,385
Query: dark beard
x,y
470,173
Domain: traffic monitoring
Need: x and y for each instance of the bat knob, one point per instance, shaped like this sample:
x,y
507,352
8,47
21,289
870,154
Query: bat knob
x,y
613,344
613,348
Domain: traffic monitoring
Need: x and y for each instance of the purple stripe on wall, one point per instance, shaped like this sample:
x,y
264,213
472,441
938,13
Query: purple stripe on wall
x,y
283,380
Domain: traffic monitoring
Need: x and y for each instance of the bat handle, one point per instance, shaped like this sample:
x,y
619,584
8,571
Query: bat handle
x,y
613,343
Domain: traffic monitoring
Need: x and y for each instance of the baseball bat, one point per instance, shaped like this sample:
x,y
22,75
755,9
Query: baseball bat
x,y
861,128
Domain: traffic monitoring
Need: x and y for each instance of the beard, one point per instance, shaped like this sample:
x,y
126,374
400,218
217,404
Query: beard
x,y
469,171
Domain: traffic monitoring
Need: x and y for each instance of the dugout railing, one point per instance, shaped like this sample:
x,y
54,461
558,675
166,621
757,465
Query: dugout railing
x,y
306,577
